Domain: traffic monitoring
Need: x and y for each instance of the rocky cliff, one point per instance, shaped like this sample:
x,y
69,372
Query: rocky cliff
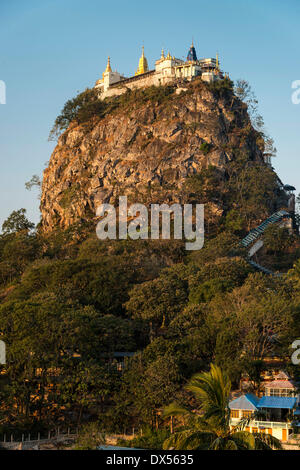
x,y
145,148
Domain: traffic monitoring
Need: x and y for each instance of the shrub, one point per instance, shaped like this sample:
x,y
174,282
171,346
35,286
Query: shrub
x,y
222,88
205,147
81,108
87,105
149,440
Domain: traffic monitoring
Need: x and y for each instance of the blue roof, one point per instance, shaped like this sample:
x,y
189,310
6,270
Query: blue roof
x,y
277,402
244,402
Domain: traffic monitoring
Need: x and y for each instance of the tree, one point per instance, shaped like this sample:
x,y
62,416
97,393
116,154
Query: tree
x,y
80,109
220,276
16,222
104,283
252,191
90,437
17,252
260,312
158,300
34,181
205,186
277,239
209,426
152,377
245,93
53,358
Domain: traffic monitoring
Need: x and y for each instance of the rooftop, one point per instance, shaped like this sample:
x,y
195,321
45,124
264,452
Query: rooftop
x,y
277,402
280,384
244,402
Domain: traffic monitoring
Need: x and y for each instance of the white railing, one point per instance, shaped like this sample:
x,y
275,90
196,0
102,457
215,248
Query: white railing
x,y
264,424
271,424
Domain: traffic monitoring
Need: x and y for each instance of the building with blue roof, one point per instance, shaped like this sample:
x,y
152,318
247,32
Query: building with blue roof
x,y
246,402
274,413
285,403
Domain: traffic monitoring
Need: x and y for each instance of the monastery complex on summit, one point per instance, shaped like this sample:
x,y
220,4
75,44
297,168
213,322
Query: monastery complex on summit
x,y
167,70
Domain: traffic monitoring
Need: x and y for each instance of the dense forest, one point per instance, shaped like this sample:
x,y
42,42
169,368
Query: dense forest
x,y
69,302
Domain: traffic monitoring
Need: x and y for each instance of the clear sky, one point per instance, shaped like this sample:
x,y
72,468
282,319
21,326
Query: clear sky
x,y
50,49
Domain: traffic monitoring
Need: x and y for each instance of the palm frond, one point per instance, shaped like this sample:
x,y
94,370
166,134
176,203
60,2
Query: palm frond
x,y
175,410
189,440
212,389
244,440
266,442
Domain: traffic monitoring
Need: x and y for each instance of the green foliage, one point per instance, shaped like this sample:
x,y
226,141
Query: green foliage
x,y
153,94
17,253
218,277
17,222
68,302
90,437
209,427
152,377
149,439
204,186
259,306
252,192
234,222
88,105
245,93
277,239
222,88
18,246
158,300
205,147
103,284
80,109
69,195
208,289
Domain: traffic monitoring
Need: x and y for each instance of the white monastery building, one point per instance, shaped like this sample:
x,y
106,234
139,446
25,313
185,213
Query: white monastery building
x,y
167,70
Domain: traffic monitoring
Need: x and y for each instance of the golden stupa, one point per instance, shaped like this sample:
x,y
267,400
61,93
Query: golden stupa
x,y
108,69
143,64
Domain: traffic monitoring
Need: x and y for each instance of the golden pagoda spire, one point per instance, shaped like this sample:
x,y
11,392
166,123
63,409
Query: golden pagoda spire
x,y
217,61
162,54
143,64
108,67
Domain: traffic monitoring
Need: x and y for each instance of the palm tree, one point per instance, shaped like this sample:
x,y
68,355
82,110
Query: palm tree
x,y
209,427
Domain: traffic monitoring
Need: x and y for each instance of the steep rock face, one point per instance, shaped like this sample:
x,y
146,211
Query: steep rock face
x,y
144,151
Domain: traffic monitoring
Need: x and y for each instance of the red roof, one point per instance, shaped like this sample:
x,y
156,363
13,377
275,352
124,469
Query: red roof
x,y
280,384
282,376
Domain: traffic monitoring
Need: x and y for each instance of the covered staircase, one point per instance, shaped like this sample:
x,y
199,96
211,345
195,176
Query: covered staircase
x,y
256,233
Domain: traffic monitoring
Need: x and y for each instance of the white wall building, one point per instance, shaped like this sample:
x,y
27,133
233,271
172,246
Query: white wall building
x,y
275,413
168,69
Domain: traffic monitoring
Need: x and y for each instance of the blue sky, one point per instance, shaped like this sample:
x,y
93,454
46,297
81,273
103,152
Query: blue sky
x,y
51,49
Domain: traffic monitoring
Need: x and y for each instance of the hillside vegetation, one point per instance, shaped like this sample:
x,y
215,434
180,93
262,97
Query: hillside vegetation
x,y
69,301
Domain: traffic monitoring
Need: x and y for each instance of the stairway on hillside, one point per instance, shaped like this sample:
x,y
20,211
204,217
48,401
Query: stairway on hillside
x,y
256,233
